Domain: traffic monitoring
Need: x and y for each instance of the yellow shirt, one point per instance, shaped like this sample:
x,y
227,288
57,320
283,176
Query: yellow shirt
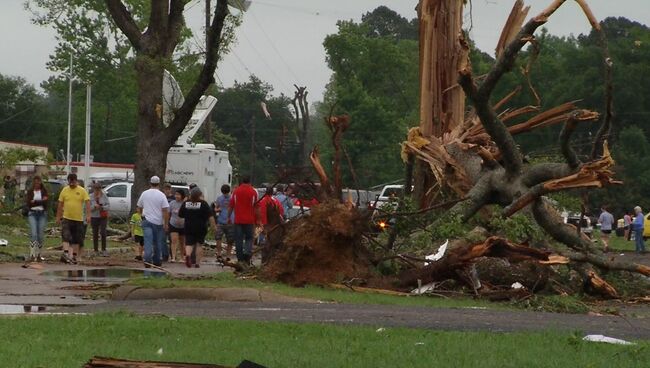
x,y
73,202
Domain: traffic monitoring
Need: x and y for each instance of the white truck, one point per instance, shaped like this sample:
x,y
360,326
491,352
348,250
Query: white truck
x,y
202,165
187,162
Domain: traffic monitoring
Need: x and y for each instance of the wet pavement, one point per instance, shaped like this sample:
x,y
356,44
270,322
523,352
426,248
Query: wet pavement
x,y
101,275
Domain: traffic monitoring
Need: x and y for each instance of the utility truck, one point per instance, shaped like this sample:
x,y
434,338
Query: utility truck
x,y
188,162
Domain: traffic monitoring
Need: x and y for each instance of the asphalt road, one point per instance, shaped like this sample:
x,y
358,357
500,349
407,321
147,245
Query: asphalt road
x,y
456,319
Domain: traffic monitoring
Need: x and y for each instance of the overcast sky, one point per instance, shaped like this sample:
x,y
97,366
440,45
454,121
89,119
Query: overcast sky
x,y
281,40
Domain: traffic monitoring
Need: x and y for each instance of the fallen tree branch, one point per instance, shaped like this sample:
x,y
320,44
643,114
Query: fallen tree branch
x,y
462,254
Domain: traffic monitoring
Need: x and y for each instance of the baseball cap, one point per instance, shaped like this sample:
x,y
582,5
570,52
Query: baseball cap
x,y
155,180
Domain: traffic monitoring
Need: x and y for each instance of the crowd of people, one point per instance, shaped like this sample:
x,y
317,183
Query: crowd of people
x,y
166,226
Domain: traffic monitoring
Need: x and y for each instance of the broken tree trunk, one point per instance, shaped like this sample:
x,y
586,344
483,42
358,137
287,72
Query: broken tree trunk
x,y
442,102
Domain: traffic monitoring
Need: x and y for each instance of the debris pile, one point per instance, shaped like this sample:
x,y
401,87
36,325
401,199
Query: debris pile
x,y
324,247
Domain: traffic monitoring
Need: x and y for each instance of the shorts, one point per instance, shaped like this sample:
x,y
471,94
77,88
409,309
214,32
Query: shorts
x,y
179,230
194,239
139,239
72,232
225,229
606,231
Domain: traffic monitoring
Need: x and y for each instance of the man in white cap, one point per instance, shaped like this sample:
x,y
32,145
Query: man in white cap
x,y
154,208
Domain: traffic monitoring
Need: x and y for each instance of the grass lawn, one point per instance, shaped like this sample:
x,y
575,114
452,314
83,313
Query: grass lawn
x,y
617,243
227,279
70,341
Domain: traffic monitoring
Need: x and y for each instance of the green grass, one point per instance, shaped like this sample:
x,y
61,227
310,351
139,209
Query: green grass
x,y
227,279
71,341
617,243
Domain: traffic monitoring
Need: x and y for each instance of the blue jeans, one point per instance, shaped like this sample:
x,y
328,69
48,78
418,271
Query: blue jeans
x,y
638,240
244,241
154,241
37,223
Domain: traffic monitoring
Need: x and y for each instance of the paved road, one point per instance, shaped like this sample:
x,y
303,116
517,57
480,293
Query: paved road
x,y
458,319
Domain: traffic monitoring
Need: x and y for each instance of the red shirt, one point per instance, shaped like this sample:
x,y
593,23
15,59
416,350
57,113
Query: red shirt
x,y
243,202
269,201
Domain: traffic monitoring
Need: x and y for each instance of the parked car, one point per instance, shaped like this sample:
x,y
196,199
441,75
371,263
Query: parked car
x,y
119,197
585,224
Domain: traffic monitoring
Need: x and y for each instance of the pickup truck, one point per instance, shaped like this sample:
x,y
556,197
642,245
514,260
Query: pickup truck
x,y
119,197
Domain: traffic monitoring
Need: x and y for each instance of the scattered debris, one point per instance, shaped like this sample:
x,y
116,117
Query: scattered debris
x,y
438,256
4,242
606,339
517,285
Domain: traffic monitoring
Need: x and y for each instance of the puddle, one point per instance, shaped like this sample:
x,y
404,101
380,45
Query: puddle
x,y
101,275
22,309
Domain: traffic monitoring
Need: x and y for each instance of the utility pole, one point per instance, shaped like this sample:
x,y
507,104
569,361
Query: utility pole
x,y
67,152
208,126
252,149
88,123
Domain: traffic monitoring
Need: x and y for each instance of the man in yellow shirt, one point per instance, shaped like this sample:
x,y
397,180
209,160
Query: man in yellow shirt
x,y
72,200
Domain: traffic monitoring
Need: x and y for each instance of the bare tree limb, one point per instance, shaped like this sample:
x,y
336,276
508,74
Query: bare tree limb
x,y
176,23
546,171
492,124
552,223
608,264
158,19
565,143
205,78
124,21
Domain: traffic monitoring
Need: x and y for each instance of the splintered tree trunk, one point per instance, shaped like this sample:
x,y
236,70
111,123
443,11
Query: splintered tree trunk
x,y
442,102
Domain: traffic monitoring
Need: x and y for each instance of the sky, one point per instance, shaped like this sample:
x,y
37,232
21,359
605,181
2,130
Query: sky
x,y
281,41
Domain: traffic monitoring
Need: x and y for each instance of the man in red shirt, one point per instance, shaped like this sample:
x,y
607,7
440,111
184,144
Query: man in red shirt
x,y
244,203
267,202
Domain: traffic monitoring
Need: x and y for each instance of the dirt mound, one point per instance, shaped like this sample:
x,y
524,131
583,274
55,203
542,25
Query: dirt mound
x,y
321,248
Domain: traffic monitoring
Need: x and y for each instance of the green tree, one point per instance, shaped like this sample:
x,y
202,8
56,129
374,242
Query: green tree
x,y
375,81
153,32
238,110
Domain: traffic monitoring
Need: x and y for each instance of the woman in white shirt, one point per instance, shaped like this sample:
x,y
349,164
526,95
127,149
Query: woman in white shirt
x,y
36,202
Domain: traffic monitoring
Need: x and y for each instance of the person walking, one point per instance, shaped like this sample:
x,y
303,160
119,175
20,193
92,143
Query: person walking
x,y
70,214
267,203
606,221
627,222
284,200
138,234
224,224
244,204
169,193
99,218
154,208
36,200
637,227
197,213
176,225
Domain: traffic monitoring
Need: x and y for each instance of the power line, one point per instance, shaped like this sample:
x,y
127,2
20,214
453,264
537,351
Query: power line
x,y
263,59
275,49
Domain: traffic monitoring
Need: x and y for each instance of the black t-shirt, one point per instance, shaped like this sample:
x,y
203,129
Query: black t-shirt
x,y
196,215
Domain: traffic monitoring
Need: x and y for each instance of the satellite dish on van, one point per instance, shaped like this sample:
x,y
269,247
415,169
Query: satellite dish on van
x,y
172,98
242,5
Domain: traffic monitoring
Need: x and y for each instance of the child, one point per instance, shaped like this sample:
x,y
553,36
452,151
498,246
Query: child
x,y
138,234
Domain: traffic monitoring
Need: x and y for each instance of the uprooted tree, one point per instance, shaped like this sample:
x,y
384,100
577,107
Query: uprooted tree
x,y
473,157
477,157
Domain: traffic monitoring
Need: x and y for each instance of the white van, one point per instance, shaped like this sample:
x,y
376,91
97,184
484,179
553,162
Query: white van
x,y
119,197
